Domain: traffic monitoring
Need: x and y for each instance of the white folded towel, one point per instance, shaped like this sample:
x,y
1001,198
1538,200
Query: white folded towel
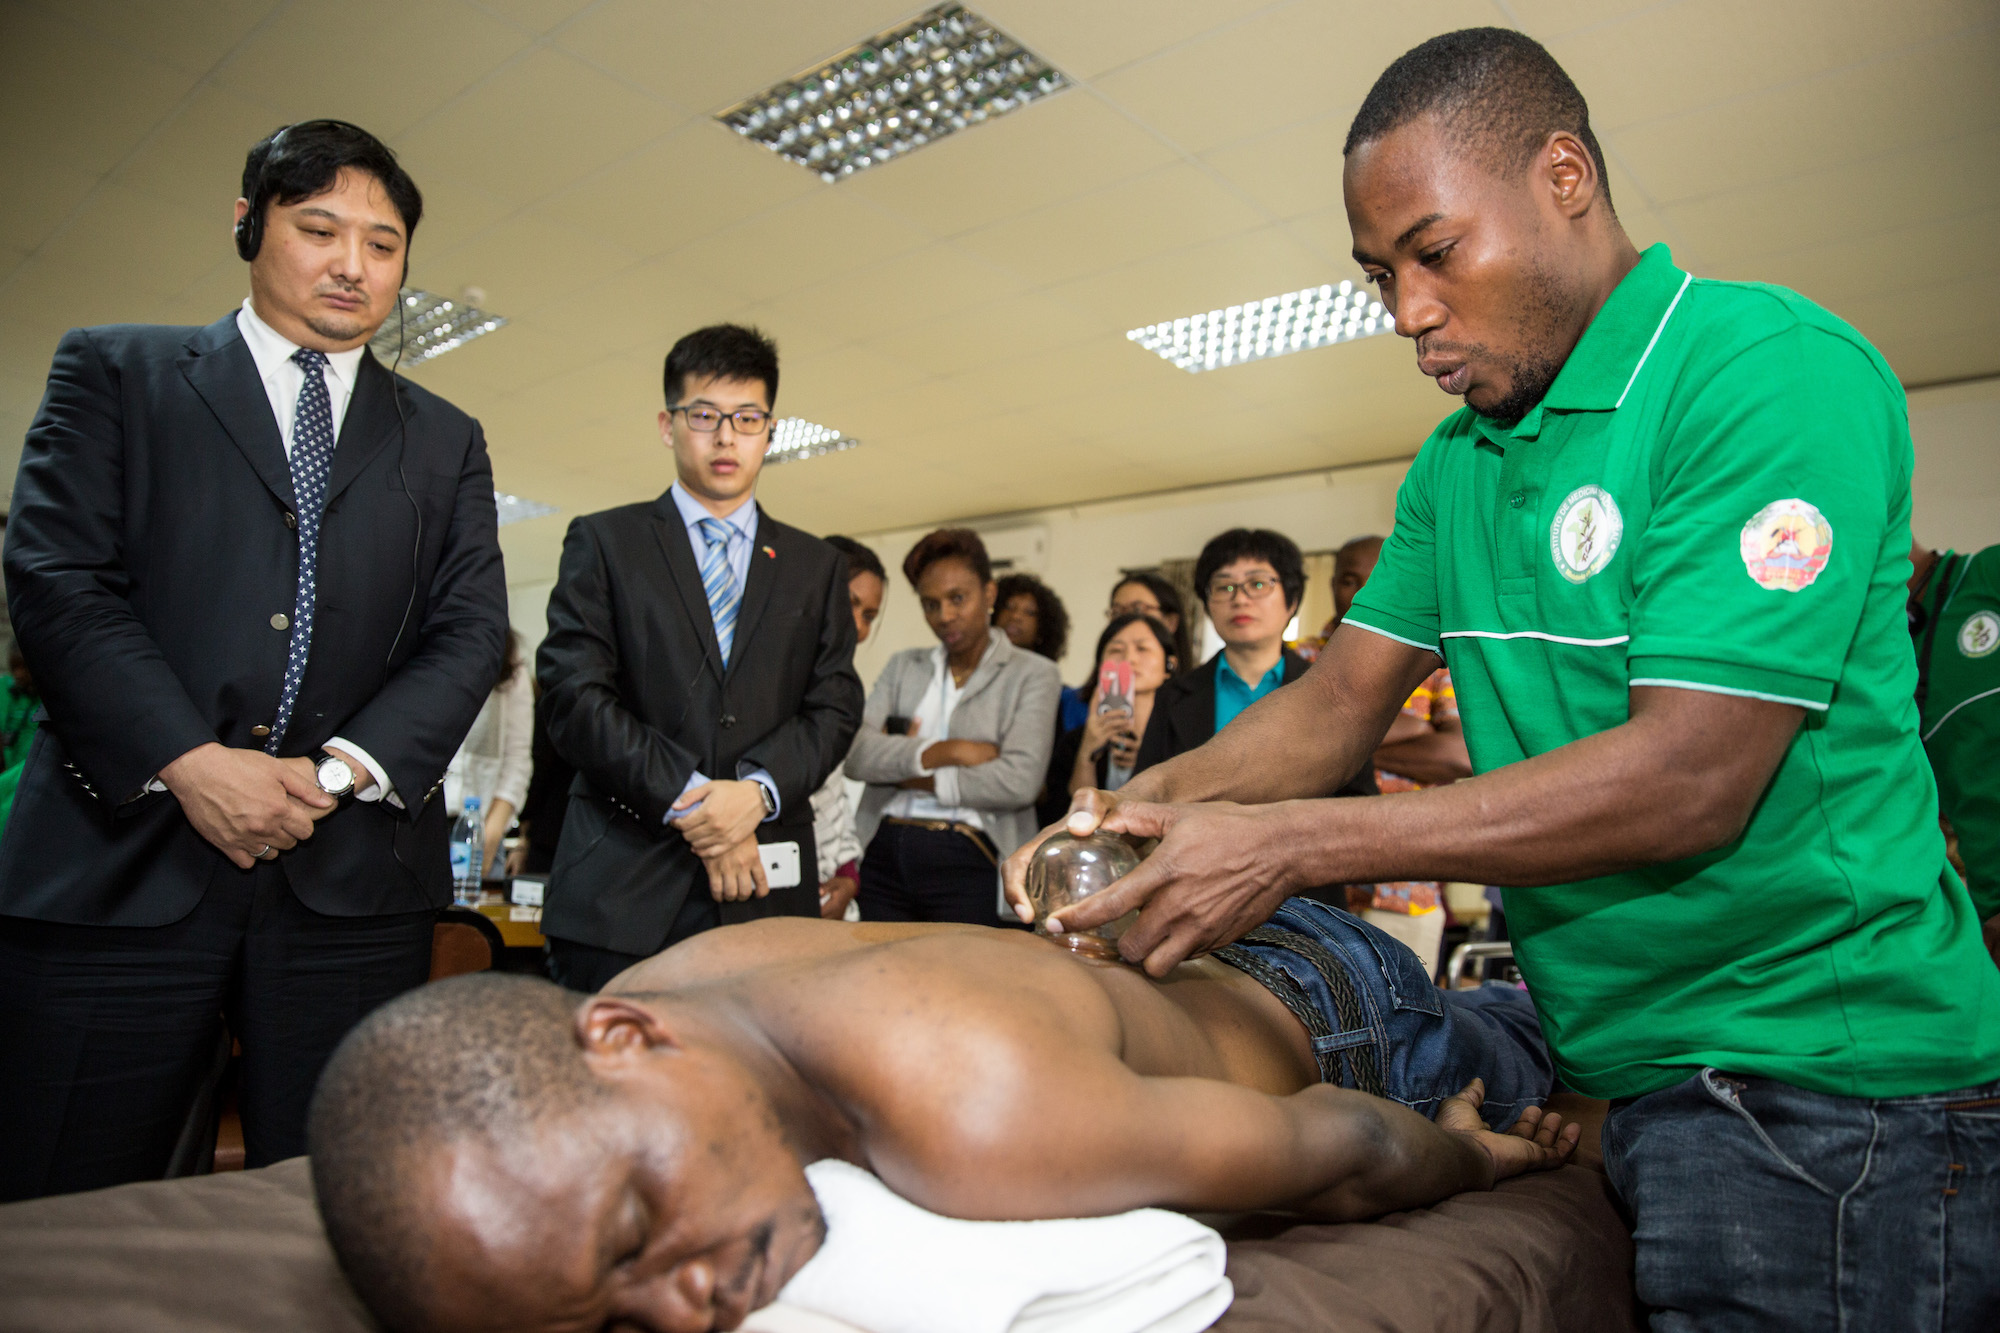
x,y
889,1266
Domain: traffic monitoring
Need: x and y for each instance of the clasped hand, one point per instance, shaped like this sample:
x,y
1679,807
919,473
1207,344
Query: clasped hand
x,y
1213,878
245,802
729,812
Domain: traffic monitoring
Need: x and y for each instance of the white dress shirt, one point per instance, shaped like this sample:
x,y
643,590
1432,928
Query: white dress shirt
x,y
283,379
742,527
933,719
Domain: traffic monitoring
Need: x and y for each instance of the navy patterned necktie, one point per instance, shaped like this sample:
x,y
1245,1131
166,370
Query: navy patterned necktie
x,y
312,462
718,580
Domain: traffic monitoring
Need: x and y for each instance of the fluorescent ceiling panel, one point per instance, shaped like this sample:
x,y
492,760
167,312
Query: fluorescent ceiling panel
x,y
942,71
1274,326
795,437
514,509
431,326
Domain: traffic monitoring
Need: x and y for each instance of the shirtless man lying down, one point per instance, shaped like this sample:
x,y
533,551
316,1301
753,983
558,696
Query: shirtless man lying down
x,y
494,1152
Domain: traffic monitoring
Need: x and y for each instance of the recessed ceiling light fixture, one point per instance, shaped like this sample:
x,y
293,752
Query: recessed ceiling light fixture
x,y
431,325
513,509
942,71
1274,326
795,437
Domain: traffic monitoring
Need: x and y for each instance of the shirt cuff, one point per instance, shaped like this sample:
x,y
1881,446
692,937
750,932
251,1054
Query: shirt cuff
x,y
383,790
763,778
917,769
695,779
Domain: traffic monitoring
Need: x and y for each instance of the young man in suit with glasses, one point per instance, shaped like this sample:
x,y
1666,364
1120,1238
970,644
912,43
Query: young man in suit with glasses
x,y
699,673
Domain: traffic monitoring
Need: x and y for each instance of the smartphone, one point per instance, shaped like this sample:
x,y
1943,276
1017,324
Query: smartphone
x,y
1114,686
895,725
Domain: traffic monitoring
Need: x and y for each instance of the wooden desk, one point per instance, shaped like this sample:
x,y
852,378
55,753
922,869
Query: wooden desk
x,y
520,927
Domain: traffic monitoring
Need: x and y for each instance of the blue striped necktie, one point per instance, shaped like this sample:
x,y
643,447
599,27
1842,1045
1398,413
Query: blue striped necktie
x,y
718,580
312,461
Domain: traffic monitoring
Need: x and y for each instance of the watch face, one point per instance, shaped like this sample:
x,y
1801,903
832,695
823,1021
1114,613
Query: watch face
x,y
334,776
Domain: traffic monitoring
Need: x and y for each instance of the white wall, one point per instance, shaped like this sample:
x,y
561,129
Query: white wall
x,y
1085,546
1957,490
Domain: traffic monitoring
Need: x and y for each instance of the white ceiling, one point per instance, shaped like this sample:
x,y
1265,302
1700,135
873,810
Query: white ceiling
x,y
962,310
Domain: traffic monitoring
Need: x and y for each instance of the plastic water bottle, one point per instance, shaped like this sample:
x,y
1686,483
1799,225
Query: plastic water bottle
x,y
468,849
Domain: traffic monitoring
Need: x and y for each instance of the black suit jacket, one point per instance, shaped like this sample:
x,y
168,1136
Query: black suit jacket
x,y
638,699
1184,717
151,541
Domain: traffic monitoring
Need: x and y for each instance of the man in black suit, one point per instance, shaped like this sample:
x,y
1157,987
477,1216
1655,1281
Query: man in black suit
x,y
258,582
1251,580
699,673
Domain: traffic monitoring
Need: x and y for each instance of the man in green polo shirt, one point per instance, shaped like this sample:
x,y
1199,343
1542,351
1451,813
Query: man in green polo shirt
x,y
1954,619
1663,550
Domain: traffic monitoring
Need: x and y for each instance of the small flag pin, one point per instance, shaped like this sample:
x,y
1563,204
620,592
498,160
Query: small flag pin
x,y
768,551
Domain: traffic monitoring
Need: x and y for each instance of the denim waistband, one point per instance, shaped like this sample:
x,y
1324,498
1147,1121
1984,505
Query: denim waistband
x,y
1362,1070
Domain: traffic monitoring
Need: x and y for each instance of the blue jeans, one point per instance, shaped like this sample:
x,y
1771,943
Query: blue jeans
x,y
1760,1205
1388,1029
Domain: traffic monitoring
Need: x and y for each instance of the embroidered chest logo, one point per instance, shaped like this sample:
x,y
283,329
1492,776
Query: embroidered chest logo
x,y
1786,544
1585,533
1980,634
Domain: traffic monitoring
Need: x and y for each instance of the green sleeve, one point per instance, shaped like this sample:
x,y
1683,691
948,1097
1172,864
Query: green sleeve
x,y
1400,599
1796,444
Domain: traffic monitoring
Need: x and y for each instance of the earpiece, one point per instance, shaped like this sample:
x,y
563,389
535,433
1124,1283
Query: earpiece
x,y
250,228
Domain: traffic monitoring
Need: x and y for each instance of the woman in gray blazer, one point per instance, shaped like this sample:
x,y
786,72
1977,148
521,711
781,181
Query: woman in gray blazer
x,y
954,746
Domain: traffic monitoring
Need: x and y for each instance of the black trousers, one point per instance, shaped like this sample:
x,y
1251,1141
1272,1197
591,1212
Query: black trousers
x,y
106,1032
588,967
919,874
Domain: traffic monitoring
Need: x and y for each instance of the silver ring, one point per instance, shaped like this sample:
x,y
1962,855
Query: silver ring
x,y
269,853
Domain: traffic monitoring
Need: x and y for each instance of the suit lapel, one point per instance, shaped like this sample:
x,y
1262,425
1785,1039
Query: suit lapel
x,y
767,552
371,422
1195,713
686,577
220,369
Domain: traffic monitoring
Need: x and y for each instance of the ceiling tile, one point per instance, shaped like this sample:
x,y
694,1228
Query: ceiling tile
x,y
1047,152
641,311
1818,122
936,281
53,78
191,35
383,64
1293,63
1674,58
823,234
707,56
524,264
541,123
1292,171
1545,20
196,158
1248,266
32,214
1841,273
693,183
536,16
1934,331
1085,41
984,335
161,247
1169,209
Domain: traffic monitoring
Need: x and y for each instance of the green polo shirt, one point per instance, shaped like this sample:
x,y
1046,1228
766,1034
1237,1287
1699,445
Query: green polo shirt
x,y
1714,495
1961,711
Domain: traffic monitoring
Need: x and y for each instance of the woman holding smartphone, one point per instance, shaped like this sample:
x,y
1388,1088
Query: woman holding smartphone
x,y
1135,657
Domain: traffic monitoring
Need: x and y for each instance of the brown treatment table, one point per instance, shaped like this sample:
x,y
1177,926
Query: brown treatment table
x,y
242,1252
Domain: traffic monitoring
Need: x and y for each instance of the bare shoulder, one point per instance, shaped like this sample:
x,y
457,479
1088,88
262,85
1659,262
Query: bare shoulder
x,y
729,951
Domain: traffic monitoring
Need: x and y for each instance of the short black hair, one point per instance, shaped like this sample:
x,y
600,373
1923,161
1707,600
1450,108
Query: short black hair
x,y
483,1057
860,560
296,162
722,351
948,544
1169,598
1277,550
1051,616
1160,632
1498,90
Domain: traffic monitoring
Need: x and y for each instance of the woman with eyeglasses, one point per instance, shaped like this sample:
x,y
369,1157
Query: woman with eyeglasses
x,y
1104,750
1147,593
1251,580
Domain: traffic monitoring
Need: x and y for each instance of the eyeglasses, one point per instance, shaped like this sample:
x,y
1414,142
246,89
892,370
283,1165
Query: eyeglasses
x,y
1254,589
707,420
1117,609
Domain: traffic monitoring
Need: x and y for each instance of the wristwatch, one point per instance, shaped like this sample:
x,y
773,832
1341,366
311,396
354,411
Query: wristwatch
x,y
334,775
770,801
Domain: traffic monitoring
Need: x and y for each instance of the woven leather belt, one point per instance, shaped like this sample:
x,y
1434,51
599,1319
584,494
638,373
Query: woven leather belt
x,y
978,836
